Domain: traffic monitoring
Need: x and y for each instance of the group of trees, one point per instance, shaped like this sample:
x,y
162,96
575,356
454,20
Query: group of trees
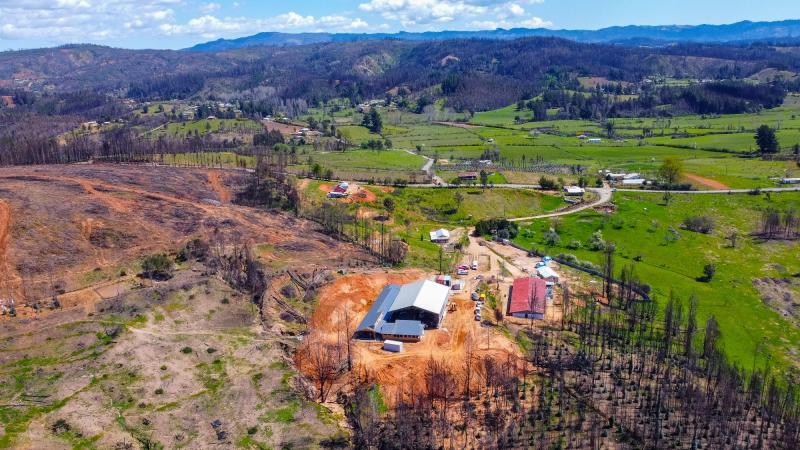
x,y
373,236
373,121
501,228
776,224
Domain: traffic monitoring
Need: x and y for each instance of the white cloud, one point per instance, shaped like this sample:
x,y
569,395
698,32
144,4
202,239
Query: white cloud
x,y
63,21
431,14
123,21
209,26
208,8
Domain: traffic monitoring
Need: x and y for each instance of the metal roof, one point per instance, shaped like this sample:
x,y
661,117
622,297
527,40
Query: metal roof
x,y
440,234
376,313
402,328
547,272
425,295
528,295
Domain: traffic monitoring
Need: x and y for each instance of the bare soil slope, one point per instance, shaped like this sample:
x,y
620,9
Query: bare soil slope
x,y
66,228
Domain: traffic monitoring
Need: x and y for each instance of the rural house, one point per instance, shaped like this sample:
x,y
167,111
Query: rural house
x,y
340,191
440,236
404,312
468,176
528,298
574,191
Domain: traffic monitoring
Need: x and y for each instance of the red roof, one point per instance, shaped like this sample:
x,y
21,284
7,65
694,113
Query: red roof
x,y
340,190
528,295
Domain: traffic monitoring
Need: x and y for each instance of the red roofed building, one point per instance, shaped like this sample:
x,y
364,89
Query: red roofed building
x,y
528,298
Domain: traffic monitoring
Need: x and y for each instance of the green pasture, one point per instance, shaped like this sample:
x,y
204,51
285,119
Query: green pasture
x,y
648,235
204,126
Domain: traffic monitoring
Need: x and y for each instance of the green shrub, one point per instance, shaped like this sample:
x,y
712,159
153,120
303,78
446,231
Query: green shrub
x,y
157,267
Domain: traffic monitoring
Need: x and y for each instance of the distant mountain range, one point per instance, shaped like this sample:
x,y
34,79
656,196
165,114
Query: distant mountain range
x,y
787,31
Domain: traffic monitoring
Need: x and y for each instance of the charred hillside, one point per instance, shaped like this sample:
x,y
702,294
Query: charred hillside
x,y
490,73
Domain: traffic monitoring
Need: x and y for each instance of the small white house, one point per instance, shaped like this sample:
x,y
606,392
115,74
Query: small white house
x,y
574,190
393,346
790,181
594,140
440,236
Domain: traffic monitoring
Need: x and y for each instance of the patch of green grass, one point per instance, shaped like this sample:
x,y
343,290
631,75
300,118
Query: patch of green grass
x,y
356,134
366,159
212,375
376,397
285,414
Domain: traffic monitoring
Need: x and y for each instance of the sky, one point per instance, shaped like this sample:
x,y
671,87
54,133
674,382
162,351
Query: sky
x,y
182,23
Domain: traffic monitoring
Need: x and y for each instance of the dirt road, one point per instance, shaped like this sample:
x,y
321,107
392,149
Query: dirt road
x,y
604,195
7,277
215,180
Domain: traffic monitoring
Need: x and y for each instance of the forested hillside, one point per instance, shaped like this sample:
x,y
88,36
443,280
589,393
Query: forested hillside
x,y
488,73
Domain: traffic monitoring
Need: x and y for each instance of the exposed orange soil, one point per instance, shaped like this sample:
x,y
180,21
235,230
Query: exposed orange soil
x,y
215,180
351,297
713,184
386,189
89,223
364,196
114,203
284,128
8,279
357,194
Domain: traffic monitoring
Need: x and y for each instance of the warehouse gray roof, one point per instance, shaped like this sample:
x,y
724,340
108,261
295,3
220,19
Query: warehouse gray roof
x,y
379,309
425,295
402,328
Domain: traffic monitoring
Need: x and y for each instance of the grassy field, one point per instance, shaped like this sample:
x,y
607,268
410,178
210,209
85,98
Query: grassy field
x,y
368,159
357,134
205,126
642,230
213,159
735,142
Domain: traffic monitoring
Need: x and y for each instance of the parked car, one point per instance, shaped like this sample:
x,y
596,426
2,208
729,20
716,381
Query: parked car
x,y
474,297
463,271
478,318
475,265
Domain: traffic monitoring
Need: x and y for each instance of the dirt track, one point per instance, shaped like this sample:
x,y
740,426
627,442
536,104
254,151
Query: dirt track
x,y
703,181
215,180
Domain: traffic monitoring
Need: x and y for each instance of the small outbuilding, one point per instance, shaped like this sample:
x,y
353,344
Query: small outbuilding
x,y
574,190
393,346
548,274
